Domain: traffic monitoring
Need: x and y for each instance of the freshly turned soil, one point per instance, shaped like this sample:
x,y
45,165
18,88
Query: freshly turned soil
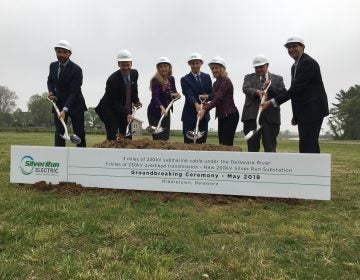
x,y
73,189
163,145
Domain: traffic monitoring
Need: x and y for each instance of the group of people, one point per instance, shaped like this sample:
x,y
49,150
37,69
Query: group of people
x,y
264,92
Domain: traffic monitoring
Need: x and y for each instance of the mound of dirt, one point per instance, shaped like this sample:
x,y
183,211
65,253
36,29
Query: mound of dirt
x,y
123,143
71,189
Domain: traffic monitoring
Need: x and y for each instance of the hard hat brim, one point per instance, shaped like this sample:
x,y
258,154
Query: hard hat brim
x,y
157,64
195,59
62,47
260,64
217,64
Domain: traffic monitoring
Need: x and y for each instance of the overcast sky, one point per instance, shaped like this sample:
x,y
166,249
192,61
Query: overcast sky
x,y
235,30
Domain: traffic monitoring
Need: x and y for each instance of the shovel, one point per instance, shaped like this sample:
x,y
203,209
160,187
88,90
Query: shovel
x,y
128,128
196,134
72,138
158,129
253,132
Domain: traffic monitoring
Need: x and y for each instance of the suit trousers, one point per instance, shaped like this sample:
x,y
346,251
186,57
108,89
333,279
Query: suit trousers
x,y
117,127
253,143
77,121
268,134
226,129
165,123
309,137
203,127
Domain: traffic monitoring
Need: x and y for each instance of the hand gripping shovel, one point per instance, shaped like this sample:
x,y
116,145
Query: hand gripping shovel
x,y
128,128
253,132
158,129
72,138
196,134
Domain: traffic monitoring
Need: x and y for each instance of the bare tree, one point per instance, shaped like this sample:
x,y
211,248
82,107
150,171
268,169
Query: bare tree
x,y
7,100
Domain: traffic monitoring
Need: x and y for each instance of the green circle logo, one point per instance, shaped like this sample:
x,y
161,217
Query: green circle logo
x,y
26,165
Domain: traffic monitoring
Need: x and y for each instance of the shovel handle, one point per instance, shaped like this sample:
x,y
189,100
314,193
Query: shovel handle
x,y
66,134
167,110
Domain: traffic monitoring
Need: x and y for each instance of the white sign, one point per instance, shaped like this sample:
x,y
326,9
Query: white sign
x,y
31,164
287,175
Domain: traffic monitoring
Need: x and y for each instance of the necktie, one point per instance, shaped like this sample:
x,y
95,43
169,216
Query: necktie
x,y
197,77
60,71
128,96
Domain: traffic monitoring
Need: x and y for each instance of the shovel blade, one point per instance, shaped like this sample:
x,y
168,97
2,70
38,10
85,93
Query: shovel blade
x,y
252,133
154,130
200,134
249,135
158,130
193,136
151,129
75,139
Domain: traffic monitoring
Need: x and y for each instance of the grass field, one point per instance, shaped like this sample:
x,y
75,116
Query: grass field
x,y
144,235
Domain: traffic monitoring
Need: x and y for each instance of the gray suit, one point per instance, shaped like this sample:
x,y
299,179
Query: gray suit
x,y
269,119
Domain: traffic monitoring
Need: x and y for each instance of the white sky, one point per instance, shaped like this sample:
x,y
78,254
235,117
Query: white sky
x,y
234,30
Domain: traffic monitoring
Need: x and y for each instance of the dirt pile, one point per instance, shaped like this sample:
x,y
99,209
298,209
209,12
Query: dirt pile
x,y
163,145
71,189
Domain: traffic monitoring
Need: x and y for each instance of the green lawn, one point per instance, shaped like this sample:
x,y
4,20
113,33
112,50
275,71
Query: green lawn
x,y
144,235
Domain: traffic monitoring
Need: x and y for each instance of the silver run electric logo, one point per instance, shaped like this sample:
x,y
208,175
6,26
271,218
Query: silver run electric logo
x,y
29,166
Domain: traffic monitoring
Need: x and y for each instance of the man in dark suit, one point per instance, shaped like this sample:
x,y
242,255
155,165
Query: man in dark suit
x,y
253,87
64,83
195,85
308,97
121,92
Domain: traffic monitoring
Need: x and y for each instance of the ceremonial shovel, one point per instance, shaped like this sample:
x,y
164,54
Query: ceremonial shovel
x,y
158,129
196,134
128,128
72,138
253,132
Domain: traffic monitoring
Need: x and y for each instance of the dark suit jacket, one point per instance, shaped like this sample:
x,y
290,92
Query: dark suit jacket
x,y
112,104
68,89
191,90
252,100
307,93
223,98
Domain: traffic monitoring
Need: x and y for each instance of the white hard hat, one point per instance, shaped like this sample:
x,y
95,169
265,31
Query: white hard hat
x,y
63,44
124,55
195,56
163,59
218,60
294,39
260,60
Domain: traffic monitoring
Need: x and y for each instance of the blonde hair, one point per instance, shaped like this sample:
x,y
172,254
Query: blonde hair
x,y
157,78
223,72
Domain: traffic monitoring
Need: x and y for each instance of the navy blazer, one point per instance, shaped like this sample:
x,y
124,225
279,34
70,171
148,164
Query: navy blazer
x,y
68,89
112,105
307,92
191,91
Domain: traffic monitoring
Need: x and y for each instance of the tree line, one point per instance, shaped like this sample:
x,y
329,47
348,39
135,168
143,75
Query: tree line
x,y
343,120
38,113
